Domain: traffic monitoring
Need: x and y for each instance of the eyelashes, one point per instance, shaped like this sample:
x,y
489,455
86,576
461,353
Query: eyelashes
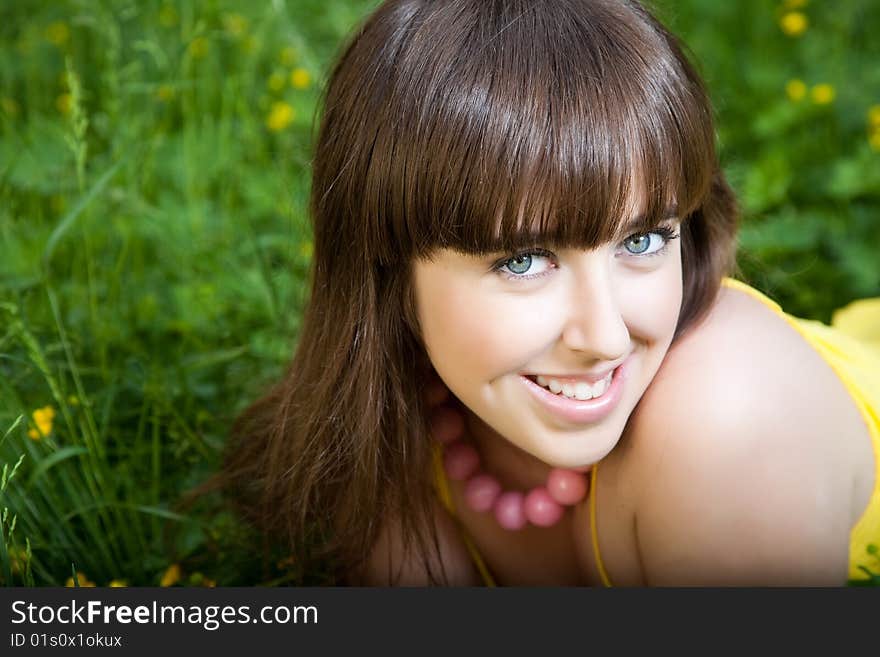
x,y
668,234
524,258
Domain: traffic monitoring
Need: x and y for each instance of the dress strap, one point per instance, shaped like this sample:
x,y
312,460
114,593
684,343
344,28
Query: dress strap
x,y
752,292
594,534
446,499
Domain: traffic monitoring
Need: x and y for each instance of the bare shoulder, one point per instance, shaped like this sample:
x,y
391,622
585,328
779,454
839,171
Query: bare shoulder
x,y
742,479
391,564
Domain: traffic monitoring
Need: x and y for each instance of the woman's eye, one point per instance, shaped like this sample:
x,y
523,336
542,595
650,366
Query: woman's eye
x,y
528,264
525,265
646,244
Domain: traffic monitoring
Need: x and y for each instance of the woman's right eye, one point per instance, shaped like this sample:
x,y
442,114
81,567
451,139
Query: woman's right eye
x,y
517,267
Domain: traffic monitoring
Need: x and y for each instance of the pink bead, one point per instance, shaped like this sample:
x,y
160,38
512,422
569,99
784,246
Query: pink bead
x,y
509,510
481,491
566,487
447,425
460,461
541,509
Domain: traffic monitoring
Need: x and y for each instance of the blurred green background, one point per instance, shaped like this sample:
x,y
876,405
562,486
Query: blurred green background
x,y
154,171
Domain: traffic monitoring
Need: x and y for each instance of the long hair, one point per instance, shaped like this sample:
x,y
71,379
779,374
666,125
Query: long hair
x,y
478,125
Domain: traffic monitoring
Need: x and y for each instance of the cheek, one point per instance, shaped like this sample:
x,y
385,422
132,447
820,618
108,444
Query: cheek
x,y
652,307
473,336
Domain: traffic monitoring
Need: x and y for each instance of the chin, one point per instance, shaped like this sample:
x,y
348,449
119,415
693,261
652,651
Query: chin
x,y
580,451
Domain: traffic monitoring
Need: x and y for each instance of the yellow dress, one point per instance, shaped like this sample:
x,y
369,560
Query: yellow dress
x,y
851,346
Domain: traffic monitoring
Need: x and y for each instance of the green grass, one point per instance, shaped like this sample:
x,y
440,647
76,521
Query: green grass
x,y
154,172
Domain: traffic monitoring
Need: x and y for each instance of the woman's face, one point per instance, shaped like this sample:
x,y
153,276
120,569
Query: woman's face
x,y
570,315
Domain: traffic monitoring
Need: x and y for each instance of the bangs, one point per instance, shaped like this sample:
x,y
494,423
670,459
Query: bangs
x,y
507,124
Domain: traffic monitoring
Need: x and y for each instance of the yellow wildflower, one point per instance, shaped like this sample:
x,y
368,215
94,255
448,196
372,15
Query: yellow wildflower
x,y
300,78
167,16
795,89
43,418
235,24
62,103
57,33
165,92
117,583
280,116
276,81
287,56
198,47
822,94
10,107
874,116
84,582
874,140
171,575
794,23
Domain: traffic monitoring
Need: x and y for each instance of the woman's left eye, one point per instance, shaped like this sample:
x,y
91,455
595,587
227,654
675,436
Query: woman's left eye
x,y
649,244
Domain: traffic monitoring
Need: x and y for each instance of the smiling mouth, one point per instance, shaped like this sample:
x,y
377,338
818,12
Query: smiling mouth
x,y
577,390
572,409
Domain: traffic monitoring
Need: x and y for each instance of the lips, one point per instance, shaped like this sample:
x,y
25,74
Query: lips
x,y
579,411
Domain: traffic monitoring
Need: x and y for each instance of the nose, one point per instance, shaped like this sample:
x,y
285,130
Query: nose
x,y
594,324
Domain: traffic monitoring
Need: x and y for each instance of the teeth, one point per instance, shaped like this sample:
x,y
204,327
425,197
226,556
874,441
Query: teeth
x,y
583,391
580,390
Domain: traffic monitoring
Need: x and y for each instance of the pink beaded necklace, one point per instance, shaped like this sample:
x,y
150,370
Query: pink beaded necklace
x,y
541,506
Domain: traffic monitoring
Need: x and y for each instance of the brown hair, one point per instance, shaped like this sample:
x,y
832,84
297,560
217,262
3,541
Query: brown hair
x,y
480,125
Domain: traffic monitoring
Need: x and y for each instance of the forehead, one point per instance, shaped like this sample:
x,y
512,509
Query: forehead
x,y
538,137
614,213
552,230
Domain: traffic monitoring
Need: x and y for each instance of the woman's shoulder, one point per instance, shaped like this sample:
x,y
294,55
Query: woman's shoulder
x,y
746,362
732,447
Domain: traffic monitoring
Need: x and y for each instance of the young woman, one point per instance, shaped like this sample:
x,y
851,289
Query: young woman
x,y
520,203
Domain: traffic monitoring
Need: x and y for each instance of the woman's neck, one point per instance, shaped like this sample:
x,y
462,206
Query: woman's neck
x,y
513,467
